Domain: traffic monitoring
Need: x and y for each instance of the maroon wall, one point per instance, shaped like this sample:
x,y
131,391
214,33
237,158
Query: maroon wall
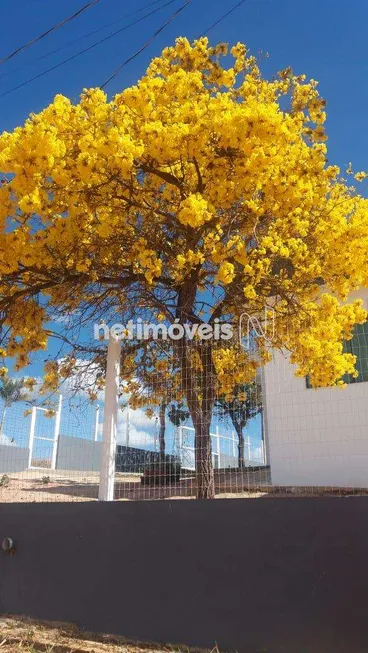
x,y
268,575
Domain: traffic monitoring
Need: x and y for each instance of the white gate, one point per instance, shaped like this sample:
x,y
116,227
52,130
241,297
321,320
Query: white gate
x,y
186,449
44,438
221,456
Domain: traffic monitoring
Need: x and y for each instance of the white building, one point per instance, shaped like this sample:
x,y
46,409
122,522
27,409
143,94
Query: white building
x,y
318,437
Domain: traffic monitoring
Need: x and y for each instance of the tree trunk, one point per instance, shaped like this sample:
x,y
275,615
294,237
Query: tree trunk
x,y
200,409
161,435
239,431
203,459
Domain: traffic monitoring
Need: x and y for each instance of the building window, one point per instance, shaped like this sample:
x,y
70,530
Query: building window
x,y
358,346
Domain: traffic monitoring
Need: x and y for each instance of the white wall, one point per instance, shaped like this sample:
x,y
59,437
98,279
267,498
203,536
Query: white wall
x,y
315,437
78,454
13,459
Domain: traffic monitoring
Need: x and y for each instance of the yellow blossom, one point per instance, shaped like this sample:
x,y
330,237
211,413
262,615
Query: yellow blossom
x,y
226,273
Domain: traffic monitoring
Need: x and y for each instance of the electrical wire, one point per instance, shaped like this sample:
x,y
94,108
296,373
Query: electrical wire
x,y
146,44
91,47
80,38
217,22
49,31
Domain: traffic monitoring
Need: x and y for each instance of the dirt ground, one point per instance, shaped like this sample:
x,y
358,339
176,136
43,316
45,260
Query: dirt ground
x,y
26,636
60,486
47,485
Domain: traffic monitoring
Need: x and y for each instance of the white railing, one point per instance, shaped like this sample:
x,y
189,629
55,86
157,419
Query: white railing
x,y
220,457
33,438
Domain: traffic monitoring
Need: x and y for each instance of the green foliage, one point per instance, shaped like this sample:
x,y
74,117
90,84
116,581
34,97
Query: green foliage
x,y
4,480
11,390
178,414
245,404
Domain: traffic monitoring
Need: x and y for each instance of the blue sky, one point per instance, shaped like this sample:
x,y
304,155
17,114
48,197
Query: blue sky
x,y
324,39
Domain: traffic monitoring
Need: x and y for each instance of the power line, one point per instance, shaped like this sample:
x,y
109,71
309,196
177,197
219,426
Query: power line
x,y
79,38
91,47
49,31
217,22
146,44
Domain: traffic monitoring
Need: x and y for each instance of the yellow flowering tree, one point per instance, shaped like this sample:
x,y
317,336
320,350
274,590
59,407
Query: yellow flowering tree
x,y
203,192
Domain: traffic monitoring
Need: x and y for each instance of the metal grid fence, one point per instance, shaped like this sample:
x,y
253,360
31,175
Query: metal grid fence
x,y
295,439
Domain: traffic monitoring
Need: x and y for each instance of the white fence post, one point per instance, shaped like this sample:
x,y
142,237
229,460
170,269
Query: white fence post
x,y
108,450
127,439
97,423
218,448
180,437
233,440
180,444
155,436
31,435
248,448
56,434
2,427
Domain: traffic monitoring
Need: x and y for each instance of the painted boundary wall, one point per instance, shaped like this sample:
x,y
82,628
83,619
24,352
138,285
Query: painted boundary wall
x,y
13,459
75,454
277,575
79,454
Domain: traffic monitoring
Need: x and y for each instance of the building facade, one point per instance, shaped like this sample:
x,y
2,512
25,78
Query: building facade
x,y
318,437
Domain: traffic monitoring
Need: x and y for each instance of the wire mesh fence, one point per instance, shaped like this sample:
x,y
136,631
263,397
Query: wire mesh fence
x,y
271,435
57,455
47,455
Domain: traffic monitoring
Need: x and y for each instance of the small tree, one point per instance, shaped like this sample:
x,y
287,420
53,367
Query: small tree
x,y
176,413
11,392
244,404
152,383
